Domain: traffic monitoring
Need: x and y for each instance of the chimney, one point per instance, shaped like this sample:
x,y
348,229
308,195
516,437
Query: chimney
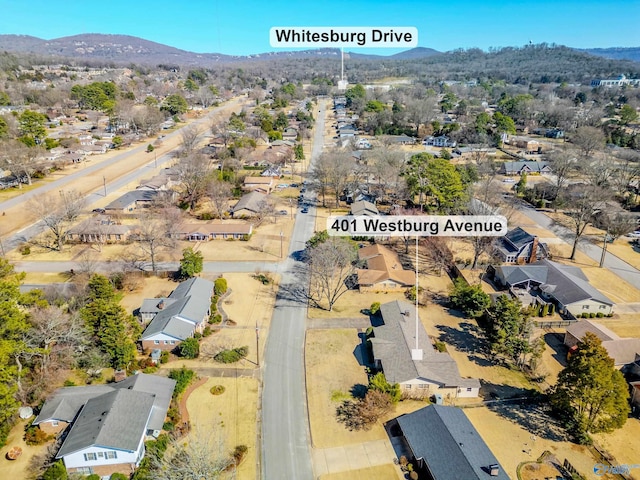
x,y
417,354
494,470
161,305
534,250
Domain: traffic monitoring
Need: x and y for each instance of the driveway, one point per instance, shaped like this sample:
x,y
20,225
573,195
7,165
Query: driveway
x,y
353,457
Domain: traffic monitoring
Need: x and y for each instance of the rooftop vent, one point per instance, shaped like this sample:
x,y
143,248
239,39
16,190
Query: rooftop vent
x,y
494,470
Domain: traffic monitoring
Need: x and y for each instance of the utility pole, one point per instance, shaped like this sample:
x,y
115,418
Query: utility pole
x,y
104,184
281,237
257,344
604,249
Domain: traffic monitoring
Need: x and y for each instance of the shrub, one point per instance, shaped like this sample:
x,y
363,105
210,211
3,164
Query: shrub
x,y
441,346
25,249
206,332
375,308
552,308
183,378
55,472
164,357
190,348
592,315
69,383
264,278
118,476
369,332
168,426
220,286
34,436
379,382
94,476
217,390
239,453
231,356
545,310
599,315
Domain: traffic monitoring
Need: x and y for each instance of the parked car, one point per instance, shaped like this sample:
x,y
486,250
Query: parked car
x,y
282,212
305,210
98,210
635,234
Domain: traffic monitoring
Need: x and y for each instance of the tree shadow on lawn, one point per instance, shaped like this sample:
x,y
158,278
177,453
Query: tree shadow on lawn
x,y
533,417
363,353
555,341
467,339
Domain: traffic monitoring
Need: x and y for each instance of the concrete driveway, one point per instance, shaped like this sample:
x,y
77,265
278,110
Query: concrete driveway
x,y
352,457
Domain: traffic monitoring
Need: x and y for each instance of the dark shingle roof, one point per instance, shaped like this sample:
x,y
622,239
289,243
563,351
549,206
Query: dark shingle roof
x,y
449,444
67,402
116,420
392,344
160,387
131,197
192,301
251,201
518,237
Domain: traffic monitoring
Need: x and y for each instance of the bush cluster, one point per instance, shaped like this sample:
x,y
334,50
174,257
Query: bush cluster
x,y
231,356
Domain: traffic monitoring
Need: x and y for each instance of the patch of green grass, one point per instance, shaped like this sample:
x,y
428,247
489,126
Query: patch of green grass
x,y
339,396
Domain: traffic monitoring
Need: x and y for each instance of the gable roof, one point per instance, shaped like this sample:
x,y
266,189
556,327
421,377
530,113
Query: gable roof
x,y
518,237
579,329
117,419
622,350
192,299
392,344
218,228
251,201
449,444
382,264
533,166
66,402
362,207
565,283
131,197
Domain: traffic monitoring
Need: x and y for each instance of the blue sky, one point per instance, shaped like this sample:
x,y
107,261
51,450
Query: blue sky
x,y
242,27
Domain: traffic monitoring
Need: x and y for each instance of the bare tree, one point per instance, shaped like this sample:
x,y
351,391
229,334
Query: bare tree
x,y
193,172
582,205
421,112
321,174
588,140
331,263
219,192
203,457
57,213
615,226
627,172
190,137
438,254
153,238
600,170
564,165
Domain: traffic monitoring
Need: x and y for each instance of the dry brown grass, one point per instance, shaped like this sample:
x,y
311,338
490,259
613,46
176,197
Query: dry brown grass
x,y
381,472
233,414
332,367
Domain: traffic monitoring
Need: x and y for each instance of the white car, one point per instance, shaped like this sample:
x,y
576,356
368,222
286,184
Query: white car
x,y
635,234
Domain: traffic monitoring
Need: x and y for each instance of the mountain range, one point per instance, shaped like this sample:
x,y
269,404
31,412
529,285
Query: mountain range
x,y
122,49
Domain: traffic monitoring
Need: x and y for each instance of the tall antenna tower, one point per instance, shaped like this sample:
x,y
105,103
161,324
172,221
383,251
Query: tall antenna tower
x,y
342,83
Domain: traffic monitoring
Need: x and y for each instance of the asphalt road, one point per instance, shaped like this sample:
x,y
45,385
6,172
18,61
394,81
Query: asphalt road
x,y
286,440
612,263
31,231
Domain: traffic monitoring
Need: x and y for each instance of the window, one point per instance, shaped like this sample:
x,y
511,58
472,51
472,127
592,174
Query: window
x,y
156,342
100,454
90,456
423,385
602,307
111,454
166,342
172,342
85,470
408,386
469,389
585,307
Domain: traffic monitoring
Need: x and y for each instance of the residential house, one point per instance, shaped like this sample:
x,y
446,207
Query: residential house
x,y
527,145
413,363
100,229
363,207
133,200
216,230
524,166
177,317
441,141
290,134
564,285
347,131
623,351
472,151
634,393
400,139
518,246
250,205
445,443
618,81
384,270
259,184
108,423
164,181
363,143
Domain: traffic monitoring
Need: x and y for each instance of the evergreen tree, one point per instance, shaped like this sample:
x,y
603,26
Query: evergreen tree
x,y
591,394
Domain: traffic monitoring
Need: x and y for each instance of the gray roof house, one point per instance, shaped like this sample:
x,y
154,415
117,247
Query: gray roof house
x,y
177,317
444,442
249,204
362,207
109,423
132,200
623,351
565,285
520,167
518,246
422,373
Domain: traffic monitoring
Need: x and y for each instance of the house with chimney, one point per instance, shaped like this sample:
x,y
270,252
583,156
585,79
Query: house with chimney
x,y
404,352
445,445
520,247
